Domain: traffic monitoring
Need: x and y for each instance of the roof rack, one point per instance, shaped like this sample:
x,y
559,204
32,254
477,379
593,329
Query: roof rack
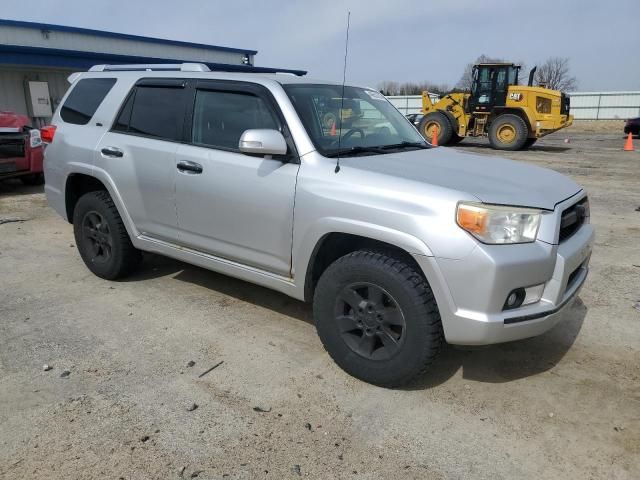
x,y
182,67
193,67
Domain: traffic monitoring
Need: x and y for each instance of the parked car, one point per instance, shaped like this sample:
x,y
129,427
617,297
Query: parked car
x,y
415,118
632,126
399,246
21,149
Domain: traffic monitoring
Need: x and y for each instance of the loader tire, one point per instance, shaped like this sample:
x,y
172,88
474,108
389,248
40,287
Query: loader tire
x,y
508,132
436,120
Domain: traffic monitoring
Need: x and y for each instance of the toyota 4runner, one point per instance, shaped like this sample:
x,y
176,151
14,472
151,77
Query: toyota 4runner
x,y
324,192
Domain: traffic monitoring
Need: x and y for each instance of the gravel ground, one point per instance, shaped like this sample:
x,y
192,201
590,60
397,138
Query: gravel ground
x,y
563,405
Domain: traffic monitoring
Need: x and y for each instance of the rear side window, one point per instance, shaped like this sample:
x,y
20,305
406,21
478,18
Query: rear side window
x,y
153,111
220,118
84,99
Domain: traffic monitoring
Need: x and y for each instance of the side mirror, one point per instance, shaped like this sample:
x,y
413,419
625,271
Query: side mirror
x,y
262,142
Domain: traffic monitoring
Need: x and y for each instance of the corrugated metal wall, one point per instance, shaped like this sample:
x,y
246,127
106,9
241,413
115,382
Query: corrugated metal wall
x,y
584,105
605,105
13,96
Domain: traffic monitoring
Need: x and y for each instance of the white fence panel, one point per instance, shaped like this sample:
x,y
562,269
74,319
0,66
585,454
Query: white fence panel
x,y
605,105
410,103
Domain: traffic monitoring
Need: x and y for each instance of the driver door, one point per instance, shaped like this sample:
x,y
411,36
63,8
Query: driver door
x,y
233,205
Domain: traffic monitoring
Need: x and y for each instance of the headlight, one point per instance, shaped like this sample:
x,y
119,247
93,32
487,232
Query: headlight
x,y
498,224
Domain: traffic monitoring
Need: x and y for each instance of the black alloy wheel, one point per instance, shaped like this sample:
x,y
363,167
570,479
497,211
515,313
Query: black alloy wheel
x,y
370,321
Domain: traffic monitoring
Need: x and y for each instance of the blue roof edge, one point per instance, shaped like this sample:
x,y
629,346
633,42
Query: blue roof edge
x,y
125,36
78,59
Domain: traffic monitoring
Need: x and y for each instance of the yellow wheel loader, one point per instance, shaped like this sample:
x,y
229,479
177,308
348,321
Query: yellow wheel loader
x,y
512,116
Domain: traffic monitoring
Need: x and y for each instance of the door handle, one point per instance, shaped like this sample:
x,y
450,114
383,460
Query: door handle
x,y
189,167
112,152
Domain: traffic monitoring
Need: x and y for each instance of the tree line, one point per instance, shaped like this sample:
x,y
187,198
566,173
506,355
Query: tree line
x,y
554,73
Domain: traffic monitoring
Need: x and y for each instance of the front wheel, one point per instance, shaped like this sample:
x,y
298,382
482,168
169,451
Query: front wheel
x,y
102,240
377,318
508,132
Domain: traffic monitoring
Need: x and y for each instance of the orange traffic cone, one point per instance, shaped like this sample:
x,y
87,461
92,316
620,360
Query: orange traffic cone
x,y
332,132
434,137
628,146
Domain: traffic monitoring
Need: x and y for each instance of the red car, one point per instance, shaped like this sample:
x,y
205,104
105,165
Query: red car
x,y
632,126
21,149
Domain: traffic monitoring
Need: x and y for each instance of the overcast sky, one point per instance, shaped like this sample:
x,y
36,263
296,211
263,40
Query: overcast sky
x,y
403,40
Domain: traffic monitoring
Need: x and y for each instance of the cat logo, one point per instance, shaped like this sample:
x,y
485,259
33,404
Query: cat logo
x,y
515,96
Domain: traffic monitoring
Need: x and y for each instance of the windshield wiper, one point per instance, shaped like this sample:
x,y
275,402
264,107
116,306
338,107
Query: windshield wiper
x,y
345,152
404,144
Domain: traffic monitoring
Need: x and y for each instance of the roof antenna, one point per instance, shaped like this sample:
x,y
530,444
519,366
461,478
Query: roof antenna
x,y
344,79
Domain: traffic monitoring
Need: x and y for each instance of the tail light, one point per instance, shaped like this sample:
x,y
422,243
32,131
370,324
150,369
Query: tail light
x,y
47,133
34,138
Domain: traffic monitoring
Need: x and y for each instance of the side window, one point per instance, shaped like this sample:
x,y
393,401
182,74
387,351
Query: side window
x,y
220,118
84,99
122,123
158,112
153,111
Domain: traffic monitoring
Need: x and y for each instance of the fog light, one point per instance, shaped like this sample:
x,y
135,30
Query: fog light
x,y
523,296
514,299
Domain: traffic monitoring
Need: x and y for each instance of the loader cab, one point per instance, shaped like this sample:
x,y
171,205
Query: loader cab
x,y
490,86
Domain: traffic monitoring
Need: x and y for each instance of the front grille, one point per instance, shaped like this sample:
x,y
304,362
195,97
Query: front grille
x,y
565,104
573,218
12,145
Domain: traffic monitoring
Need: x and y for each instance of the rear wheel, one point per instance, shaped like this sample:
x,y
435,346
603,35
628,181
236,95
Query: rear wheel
x,y
377,318
436,122
508,132
102,240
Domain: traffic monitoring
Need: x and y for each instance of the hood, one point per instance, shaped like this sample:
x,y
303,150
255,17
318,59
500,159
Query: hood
x,y
490,179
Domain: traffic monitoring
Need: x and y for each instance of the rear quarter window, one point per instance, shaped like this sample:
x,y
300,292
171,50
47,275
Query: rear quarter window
x,y
84,99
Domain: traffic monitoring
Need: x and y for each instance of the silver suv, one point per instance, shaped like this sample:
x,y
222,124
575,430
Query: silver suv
x,y
326,193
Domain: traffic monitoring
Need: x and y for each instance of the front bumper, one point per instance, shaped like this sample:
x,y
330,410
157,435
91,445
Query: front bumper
x,y
471,292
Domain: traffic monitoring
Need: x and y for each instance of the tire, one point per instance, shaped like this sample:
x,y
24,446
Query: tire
x,y
33,179
397,293
530,142
102,239
436,120
508,132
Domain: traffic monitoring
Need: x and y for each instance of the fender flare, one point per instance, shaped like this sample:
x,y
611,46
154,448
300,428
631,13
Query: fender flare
x,y
104,178
304,251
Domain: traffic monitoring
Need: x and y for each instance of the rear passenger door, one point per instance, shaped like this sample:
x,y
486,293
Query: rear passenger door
x,y
236,206
139,154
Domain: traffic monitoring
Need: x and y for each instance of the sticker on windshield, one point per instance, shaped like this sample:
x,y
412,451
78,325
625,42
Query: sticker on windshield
x,y
375,95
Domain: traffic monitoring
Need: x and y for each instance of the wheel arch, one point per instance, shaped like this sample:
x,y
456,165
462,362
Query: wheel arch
x,y
333,245
498,112
79,183
76,185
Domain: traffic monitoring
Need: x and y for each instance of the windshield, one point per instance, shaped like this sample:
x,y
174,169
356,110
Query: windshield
x,y
363,123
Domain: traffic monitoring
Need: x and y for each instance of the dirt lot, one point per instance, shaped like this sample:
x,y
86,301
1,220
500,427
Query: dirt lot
x,y
564,405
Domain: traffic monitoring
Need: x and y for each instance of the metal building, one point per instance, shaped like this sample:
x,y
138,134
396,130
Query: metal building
x,y
37,58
